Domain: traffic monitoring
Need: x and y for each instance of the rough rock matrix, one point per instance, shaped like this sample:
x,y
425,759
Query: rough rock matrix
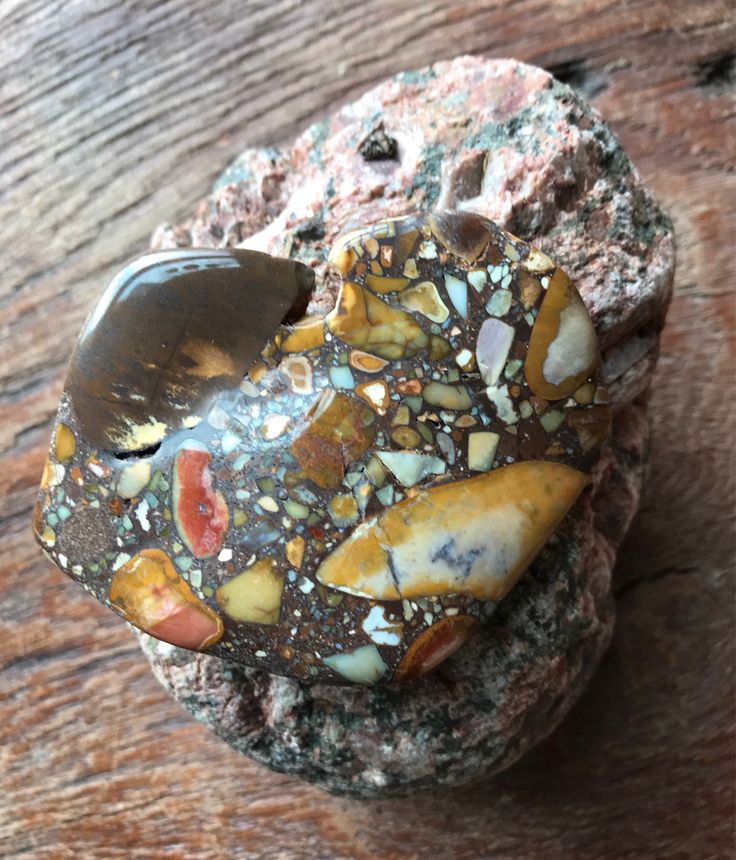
x,y
505,140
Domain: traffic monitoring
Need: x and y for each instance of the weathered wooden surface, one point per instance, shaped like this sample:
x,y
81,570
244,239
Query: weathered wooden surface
x,y
114,117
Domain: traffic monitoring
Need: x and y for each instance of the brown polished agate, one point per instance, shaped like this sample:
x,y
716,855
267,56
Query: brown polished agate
x,y
342,498
172,330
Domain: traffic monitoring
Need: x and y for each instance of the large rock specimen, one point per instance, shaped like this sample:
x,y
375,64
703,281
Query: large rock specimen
x,y
507,141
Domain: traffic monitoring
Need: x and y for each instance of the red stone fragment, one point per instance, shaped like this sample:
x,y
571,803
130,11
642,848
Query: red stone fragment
x,y
200,510
149,593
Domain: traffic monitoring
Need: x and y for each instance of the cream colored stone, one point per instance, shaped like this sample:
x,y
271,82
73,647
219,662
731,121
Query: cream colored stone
x,y
482,450
362,666
133,479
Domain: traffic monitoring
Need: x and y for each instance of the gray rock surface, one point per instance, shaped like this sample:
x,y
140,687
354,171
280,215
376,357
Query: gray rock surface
x,y
505,140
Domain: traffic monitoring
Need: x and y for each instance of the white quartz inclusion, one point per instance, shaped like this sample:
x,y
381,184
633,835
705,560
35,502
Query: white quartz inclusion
x,y
380,629
409,467
229,442
274,425
457,290
362,666
492,348
499,397
482,450
141,513
477,279
120,560
133,479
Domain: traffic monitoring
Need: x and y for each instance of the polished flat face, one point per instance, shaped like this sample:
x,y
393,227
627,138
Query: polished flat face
x,y
341,498
170,332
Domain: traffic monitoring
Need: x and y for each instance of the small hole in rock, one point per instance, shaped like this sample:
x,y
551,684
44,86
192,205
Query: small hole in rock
x,y
578,75
718,73
379,146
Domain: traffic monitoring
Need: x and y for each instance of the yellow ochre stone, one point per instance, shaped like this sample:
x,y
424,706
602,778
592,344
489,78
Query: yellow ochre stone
x,y
64,445
385,284
475,536
425,299
335,432
363,320
537,262
343,510
365,361
254,595
308,333
295,551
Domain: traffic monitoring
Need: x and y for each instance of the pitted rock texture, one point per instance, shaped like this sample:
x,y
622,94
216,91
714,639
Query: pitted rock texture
x,y
505,140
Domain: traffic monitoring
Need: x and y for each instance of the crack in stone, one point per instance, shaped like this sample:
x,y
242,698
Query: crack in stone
x,y
385,545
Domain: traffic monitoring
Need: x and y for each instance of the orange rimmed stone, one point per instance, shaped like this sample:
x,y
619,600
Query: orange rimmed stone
x,y
563,347
376,395
366,362
475,536
435,645
150,594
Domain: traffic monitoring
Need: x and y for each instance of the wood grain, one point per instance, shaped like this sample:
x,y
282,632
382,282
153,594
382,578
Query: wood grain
x,y
116,116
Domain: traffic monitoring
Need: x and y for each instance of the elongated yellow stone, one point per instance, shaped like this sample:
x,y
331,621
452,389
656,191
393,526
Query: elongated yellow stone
x,y
475,536
308,333
384,284
64,443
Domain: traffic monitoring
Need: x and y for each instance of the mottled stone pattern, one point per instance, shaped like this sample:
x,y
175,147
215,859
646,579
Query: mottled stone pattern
x,y
337,498
504,140
480,711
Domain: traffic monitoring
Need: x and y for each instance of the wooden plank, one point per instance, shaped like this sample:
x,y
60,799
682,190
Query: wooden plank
x,y
114,117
